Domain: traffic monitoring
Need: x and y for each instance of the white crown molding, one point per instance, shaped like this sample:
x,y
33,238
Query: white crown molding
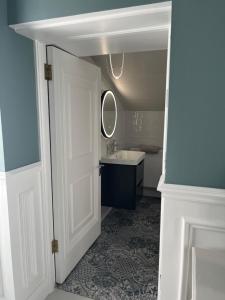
x,y
143,27
95,16
121,32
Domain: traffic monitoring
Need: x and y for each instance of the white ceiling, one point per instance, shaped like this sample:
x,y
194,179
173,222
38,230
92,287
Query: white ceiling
x,y
143,83
132,29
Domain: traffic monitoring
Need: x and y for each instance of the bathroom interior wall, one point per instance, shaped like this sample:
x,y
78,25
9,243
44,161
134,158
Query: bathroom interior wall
x,y
120,128
106,84
128,135
147,131
144,127
140,99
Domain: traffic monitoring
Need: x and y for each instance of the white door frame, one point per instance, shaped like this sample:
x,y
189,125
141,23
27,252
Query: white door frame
x,y
43,110
44,135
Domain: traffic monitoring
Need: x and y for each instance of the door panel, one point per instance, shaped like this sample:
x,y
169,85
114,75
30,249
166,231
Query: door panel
x,y
74,95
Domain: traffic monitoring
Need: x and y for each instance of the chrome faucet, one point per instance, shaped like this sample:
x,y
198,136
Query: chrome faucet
x,y
111,147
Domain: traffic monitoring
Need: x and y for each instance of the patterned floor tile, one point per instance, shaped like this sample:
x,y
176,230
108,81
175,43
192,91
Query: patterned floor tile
x,y
123,263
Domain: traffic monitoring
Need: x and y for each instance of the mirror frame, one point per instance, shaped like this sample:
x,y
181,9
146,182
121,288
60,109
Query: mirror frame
x,y
104,96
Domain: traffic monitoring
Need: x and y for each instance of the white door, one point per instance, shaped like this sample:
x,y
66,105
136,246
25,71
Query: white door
x,y
74,95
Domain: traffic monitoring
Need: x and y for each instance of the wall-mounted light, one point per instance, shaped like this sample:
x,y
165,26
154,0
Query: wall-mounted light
x,y
109,114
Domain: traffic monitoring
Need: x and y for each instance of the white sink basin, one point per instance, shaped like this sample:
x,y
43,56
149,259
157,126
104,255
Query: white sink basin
x,y
124,157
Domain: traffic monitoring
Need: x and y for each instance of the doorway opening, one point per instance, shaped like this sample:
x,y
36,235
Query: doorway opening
x,y
123,262
143,34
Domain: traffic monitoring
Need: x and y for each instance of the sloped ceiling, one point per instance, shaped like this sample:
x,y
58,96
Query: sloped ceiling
x,y
142,85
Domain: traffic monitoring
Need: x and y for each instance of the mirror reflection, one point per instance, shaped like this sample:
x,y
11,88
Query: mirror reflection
x,y
109,114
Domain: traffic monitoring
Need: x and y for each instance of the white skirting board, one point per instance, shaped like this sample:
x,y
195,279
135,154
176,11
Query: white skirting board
x,y
190,217
151,192
61,295
105,210
25,229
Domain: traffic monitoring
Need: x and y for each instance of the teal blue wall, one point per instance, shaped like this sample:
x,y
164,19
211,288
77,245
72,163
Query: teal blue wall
x,y
2,159
17,98
196,129
29,10
196,144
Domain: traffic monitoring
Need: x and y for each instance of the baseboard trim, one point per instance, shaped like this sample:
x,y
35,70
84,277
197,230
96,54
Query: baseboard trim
x,y
151,192
106,212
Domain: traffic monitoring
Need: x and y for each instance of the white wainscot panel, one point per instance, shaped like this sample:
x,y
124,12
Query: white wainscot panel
x,y
2,199
191,217
28,244
6,271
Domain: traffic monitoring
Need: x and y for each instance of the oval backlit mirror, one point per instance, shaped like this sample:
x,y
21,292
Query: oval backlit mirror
x,y
109,114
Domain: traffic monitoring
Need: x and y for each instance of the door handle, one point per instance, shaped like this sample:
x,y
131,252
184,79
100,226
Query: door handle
x,y
100,167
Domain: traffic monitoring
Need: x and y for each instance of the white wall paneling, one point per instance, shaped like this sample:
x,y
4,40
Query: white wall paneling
x,y
191,217
208,273
7,291
25,249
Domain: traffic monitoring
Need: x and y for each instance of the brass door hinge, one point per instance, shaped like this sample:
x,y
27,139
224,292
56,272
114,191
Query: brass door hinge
x,y
55,246
48,72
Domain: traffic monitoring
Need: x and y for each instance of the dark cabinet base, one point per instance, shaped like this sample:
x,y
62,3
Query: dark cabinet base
x,y
122,185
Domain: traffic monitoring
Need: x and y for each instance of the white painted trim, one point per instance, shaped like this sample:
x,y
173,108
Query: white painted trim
x,y
21,169
61,295
194,281
42,92
25,249
7,284
190,216
103,216
189,225
94,16
2,175
87,30
191,193
165,132
119,32
43,117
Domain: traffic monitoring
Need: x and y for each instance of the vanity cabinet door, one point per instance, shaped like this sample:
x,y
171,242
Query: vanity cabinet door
x,y
119,186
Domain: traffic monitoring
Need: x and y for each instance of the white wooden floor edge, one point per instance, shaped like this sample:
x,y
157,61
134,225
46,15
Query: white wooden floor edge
x,y
61,295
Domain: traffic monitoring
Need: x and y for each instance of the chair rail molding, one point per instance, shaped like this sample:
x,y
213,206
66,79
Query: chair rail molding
x,y
25,248
190,217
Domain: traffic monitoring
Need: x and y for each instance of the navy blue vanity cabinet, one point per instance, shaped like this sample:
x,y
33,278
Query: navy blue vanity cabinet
x,y
122,185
